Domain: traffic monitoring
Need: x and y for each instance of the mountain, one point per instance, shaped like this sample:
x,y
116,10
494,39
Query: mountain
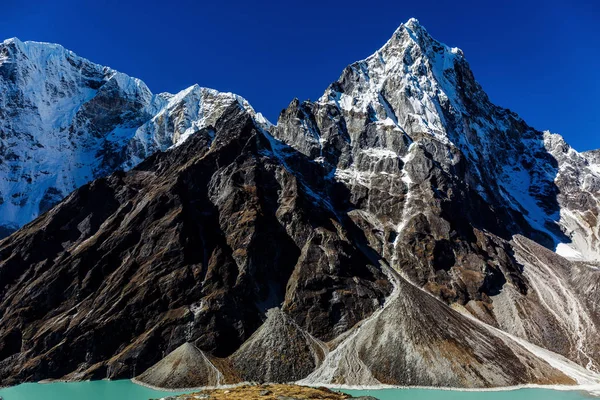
x,y
65,121
417,90
400,230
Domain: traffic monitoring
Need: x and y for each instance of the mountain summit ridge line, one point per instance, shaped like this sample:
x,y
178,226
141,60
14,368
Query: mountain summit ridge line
x,y
400,230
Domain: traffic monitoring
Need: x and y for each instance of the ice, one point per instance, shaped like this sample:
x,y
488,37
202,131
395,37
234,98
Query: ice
x,y
380,153
595,168
567,251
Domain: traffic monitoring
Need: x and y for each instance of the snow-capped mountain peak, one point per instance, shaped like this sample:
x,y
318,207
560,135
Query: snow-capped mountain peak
x,y
415,89
77,120
65,121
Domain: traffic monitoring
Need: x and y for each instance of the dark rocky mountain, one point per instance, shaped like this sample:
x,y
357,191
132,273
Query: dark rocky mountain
x,y
193,244
400,230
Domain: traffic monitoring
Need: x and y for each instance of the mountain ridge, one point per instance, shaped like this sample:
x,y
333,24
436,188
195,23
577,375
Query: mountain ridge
x,y
403,226
76,121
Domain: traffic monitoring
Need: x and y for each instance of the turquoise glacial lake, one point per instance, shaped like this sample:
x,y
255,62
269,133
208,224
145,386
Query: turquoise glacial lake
x,y
432,394
126,390
94,390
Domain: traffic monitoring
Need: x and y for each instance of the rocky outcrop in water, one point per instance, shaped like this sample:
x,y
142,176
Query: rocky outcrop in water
x,y
269,392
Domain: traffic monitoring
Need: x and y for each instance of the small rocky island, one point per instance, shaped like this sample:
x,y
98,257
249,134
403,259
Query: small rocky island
x,y
268,392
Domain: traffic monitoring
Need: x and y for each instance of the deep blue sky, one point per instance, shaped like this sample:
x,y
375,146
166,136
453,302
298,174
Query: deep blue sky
x,y
538,58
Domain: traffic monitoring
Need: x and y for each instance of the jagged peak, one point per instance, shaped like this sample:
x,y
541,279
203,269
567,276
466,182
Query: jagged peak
x,y
263,121
38,47
198,93
412,22
408,35
410,45
9,47
35,51
418,34
592,156
12,40
414,26
42,53
592,152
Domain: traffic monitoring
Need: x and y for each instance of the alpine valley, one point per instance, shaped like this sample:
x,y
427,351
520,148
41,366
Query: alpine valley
x,y
400,230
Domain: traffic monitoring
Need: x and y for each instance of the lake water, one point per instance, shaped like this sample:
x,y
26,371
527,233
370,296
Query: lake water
x,y
431,394
126,390
94,390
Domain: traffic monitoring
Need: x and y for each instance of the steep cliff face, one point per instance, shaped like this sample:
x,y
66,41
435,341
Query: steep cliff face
x,y
65,121
578,182
416,91
442,180
406,230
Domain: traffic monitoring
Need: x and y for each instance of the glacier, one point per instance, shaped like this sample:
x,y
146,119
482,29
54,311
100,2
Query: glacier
x,y
65,121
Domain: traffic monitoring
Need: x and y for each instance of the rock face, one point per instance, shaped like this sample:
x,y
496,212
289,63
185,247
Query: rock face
x,y
65,121
442,181
417,340
578,181
194,244
406,230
